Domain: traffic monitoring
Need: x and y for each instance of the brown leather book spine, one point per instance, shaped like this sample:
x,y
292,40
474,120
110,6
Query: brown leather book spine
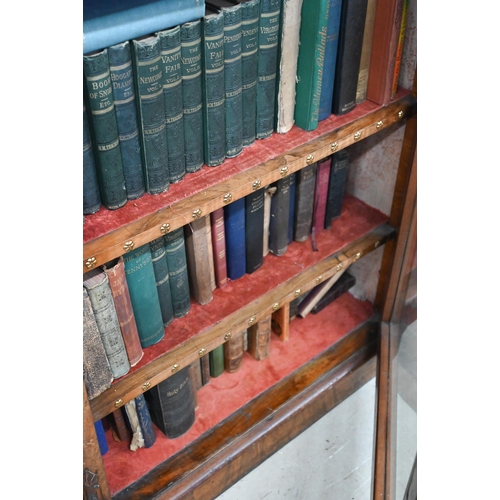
x,y
198,262
320,198
219,247
233,353
205,369
259,339
120,428
124,311
195,374
386,29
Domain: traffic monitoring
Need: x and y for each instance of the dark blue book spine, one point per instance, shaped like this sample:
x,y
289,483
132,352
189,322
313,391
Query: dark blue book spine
x,y
280,210
291,216
148,432
254,230
234,227
91,196
336,186
332,42
101,437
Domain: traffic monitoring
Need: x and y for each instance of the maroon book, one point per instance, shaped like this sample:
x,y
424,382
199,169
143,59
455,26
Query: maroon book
x,y
124,311
219,247
320,197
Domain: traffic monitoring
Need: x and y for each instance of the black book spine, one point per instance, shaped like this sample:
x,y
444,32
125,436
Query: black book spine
x,y
352,27
171,404
343,284
336,186
304,202
280,212
291,216
254,230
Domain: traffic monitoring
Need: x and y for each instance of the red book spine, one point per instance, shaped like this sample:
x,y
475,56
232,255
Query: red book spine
x,y
320,197
219,247
124,311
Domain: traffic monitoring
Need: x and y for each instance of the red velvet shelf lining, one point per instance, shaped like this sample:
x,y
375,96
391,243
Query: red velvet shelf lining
x,y
105,221
309,337
357,220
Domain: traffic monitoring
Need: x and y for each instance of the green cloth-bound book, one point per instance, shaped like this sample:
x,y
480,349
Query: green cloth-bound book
x,y
192,94
149,89
104,129
214,120
141,283
170,44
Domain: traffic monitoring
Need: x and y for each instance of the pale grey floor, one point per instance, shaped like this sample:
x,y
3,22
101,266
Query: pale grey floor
x,y
332,459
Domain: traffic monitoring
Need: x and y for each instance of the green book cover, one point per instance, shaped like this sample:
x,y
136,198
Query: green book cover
x,y
91,196
160,266
249,53
313,34
149,89
214,119
216,359
192,94
177,270
170,44
141,283
98,93
267,66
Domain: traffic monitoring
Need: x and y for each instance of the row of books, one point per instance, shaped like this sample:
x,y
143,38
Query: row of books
x,y
130,301
172,404
163,105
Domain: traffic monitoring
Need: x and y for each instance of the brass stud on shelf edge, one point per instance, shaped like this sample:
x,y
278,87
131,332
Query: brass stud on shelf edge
x,y
146,386
357,135
202,351
339,267
377,244
118,403
228,198
165,228
400,114
319,278
297,292
256,185
91,262
175,368
276,306
357,256
129,245
380,124
251,321
310,159
227,336
283,171
197,213
334,146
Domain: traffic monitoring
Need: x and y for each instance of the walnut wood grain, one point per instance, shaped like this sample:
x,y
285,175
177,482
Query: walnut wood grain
x,y
228,451
130,386
140,221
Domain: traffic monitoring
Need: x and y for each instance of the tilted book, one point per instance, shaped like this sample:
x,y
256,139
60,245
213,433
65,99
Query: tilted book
x,y
170,50
343,284
96,371
259,338
148,432
110,22
171,404
320,198
214,113
233,353
141,283
104,129
178,273
97,284
366,52
254,230
250,10
331,47
219,247
115,271
216,358
280,213
192,94
153,133
304,202
267,66
288,55
91,195
122,78
198,262
234,228
352,28
160,266
310,63
336,186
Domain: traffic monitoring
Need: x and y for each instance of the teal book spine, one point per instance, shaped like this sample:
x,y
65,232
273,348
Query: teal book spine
x,y
141,283
160,266
170,44
232,80
122,78
153,133
267,66
249,54
192,94
313,37
214,119
91,196
178,273
104,129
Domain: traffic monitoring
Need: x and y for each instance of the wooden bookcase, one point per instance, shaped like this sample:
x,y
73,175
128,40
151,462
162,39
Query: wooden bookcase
x,y
323,359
